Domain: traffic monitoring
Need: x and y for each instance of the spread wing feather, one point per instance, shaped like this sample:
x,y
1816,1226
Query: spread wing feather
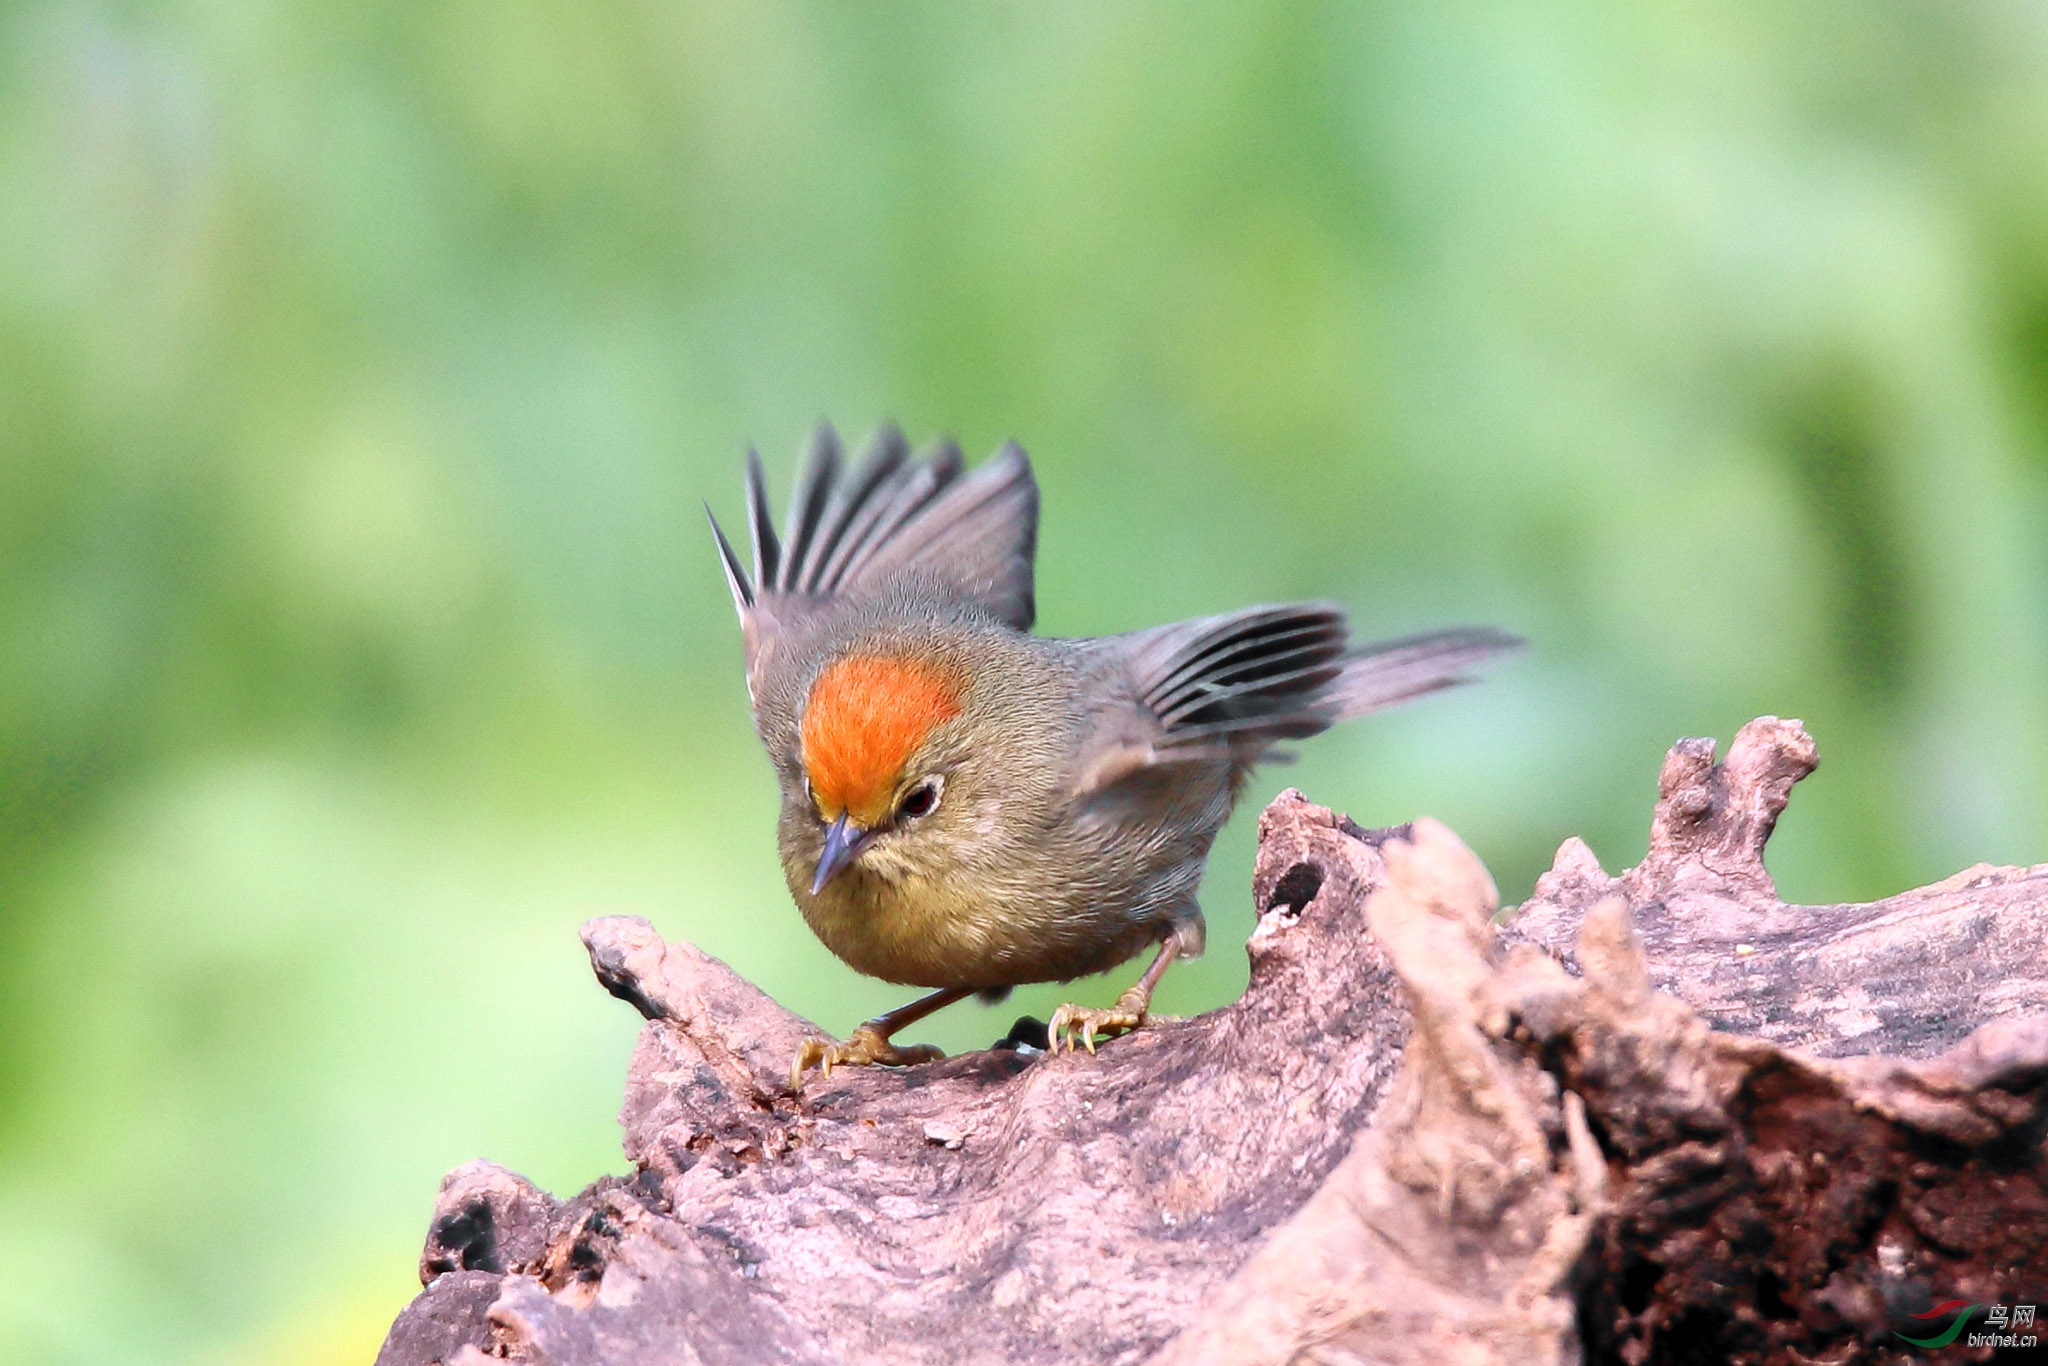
x,y
859,505
978,532
1258,672
851,531
760,523
1232,686
807,506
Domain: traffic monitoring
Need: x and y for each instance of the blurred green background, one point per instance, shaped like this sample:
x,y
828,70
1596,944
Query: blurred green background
x,y
362,368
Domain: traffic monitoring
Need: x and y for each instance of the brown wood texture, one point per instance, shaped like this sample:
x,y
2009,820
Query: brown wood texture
x,y
1660,1117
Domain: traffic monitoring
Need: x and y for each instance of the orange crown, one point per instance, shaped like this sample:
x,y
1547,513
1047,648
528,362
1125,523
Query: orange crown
x,y
867,714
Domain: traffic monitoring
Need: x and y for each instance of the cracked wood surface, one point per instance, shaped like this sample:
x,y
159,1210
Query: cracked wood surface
x,y
1624,1128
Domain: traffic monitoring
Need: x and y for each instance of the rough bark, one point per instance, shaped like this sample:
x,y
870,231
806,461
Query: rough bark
x,y
1910,975
1626,1128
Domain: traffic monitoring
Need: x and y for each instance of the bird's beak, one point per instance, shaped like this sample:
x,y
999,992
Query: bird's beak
x,y
843,842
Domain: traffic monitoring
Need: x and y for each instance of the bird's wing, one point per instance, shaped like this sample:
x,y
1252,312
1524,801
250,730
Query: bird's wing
x,y
852,529
1230,687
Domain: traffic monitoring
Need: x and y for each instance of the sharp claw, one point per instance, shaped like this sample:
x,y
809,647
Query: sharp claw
x,y
866,1048
1076,1027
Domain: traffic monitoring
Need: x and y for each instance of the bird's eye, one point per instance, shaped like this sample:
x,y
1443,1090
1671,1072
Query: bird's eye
x,y
921,800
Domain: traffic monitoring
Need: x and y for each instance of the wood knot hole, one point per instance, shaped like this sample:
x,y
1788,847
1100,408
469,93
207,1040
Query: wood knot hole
x,y
1295,889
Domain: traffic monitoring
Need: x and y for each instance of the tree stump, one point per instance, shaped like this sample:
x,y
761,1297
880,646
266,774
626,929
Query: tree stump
x,y
1660,1117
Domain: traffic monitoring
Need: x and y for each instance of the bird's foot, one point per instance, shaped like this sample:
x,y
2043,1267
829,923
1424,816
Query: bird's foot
x,y
868,1047
1080,1026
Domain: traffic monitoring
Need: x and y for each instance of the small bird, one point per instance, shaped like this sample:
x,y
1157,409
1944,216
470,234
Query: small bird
x,y
968,807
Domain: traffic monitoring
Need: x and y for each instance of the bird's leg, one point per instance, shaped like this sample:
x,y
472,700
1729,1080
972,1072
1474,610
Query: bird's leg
x,y
870,1043
1082,1023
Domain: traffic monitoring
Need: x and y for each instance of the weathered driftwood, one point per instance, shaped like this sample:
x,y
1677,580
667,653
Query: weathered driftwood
x,y
1909,975
1415,1137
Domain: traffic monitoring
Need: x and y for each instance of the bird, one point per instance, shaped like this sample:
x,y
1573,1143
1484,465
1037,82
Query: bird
x,y
967,807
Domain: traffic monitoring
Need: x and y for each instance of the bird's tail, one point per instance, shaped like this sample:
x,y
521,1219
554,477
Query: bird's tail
x,y
1394,671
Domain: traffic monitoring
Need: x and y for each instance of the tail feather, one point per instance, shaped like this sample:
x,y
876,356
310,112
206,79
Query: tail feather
x,y
1394,671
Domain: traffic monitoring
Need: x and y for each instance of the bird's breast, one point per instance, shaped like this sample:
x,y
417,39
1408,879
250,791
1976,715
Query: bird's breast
x,y
965,931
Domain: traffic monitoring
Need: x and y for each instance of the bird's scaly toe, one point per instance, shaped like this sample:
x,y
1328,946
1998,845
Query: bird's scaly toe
x,y
868,1047
1081,1025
